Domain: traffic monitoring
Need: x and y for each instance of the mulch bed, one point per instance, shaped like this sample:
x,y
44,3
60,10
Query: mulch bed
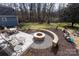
x,y
64,48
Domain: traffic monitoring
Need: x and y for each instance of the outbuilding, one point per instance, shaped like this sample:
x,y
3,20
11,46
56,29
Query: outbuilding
x,y
8,17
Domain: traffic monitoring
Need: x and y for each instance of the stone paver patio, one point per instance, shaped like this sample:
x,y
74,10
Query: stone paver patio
x,y
44,44
64,48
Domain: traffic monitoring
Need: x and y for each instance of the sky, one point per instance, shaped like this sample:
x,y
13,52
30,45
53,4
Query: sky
x,y
55,8
57,5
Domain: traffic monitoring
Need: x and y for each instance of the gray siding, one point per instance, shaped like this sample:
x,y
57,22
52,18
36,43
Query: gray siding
x,y
8,21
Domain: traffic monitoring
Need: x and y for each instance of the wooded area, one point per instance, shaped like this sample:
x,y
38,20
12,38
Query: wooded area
x,y
46,12
34,12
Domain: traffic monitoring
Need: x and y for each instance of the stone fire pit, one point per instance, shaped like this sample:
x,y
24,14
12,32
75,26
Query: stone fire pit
x,y
39,36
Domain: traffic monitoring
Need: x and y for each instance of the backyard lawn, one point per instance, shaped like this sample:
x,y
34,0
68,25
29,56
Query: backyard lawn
x,y
41,26
26,26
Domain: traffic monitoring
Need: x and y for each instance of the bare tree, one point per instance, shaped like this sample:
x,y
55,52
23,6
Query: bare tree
x,y
49,10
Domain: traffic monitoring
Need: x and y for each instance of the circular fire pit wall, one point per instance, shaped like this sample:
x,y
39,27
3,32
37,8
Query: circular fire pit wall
x,y
39,36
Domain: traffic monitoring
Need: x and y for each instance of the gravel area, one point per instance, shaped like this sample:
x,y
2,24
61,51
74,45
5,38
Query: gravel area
x,y
64,48
46,43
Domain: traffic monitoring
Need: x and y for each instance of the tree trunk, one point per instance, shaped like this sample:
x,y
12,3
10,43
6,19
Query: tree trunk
x,y
72,24
48,21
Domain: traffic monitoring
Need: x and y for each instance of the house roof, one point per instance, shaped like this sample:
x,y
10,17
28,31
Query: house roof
x,y
4,10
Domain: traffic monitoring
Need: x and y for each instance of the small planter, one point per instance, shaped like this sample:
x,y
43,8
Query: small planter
x,y
71,39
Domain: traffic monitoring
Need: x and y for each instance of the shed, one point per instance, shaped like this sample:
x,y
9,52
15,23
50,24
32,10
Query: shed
x,y
8,17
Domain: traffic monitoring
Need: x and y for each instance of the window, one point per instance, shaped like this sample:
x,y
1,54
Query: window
x,y
4,19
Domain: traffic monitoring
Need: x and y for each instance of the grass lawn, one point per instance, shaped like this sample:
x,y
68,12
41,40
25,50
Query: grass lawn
x,y
26,26
40,26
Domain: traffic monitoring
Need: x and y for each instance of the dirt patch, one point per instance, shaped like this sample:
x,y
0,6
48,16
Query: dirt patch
x,y
64,48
